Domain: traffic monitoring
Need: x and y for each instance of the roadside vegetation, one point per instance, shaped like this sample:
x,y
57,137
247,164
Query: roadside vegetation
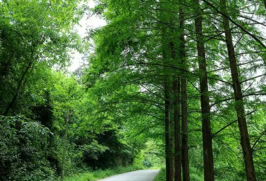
x,y
161,175
53,124
93,175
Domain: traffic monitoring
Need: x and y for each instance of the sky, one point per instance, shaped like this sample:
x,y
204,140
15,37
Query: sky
x,y
85,24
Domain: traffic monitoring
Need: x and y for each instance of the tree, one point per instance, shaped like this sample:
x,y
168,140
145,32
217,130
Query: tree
x,y
205,105
32,32
239,104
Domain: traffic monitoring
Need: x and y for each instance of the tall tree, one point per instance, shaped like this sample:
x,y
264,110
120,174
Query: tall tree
x,y
204,98
238,95
33,31
184,65
177,128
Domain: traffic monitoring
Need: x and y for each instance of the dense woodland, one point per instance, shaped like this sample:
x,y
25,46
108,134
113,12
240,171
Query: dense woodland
x,y
174,83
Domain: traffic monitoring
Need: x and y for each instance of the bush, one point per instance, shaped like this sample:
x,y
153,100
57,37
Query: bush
x,y
22,145
138,160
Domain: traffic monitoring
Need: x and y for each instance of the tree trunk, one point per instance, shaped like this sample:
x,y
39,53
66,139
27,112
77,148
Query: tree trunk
x,y
176,89
172,140
240,110
167,118
11,103
185,160
205,103
168,146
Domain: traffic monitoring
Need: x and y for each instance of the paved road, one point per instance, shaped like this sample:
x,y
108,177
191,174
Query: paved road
x,y
141,175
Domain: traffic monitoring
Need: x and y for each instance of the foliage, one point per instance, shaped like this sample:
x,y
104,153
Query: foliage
x,y
23,144
138,56
116,112
161,175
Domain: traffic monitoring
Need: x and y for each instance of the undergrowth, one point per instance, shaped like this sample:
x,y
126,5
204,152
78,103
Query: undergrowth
x,y
161,175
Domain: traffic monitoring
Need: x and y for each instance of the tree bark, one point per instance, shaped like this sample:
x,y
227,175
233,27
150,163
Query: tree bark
x,y
167,111
239,104
185,160
168,145
176,89
205,102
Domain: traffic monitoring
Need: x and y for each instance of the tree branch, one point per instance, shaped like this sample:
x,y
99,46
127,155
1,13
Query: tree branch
x,y
220,130
235,23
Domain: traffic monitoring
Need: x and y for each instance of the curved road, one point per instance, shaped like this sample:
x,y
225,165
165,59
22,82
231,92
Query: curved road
x,y
141,175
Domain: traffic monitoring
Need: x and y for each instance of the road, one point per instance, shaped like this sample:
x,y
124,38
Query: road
x,y
141,175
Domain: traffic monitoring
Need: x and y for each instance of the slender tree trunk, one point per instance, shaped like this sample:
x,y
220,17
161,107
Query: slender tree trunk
x,y
168,52
168,146
176,89
185,160
167,118
205,103
172,139
177,145
240,110
11,103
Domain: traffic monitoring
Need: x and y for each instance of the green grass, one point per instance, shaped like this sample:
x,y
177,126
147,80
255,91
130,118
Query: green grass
x,y
161,175
194,175
99,174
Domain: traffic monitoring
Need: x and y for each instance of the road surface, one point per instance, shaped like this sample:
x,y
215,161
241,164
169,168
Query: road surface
x,y
141,175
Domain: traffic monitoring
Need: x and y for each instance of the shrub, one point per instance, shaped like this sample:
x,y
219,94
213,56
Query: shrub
x,y
22,145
